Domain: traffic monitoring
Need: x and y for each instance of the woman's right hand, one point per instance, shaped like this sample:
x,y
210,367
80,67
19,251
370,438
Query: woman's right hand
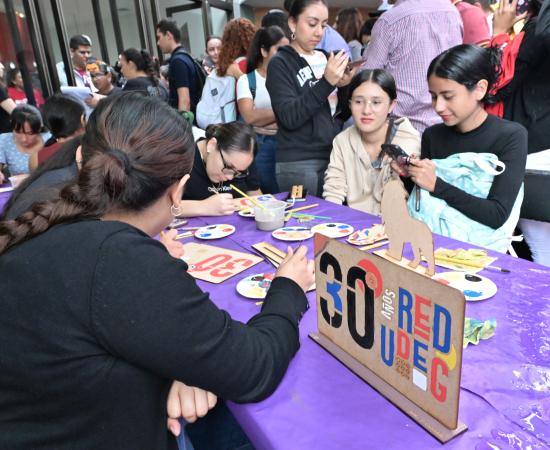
x,y
298,268
336,67
220,205
505,17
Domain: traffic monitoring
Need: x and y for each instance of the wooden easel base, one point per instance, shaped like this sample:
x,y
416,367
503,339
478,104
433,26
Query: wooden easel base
x,y
404,262
442,433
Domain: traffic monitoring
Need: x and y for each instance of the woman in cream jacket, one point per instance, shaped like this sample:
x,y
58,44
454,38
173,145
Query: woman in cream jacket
x,y
358,171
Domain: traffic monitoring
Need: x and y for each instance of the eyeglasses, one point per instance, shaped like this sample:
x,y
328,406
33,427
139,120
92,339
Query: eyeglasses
x,y
231,171
98,74
360,103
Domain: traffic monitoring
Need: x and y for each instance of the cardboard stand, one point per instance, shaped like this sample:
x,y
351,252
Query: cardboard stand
x,y
390,323
439,431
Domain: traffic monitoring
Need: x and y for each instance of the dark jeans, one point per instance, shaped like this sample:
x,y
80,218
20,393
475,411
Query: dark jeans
x,y
265,162
310,174
218,430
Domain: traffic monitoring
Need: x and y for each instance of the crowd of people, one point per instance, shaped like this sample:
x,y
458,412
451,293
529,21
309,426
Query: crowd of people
x,y
305,103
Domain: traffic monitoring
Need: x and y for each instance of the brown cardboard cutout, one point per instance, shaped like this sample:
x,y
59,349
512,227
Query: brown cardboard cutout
x,y
402,327
216,264
401,228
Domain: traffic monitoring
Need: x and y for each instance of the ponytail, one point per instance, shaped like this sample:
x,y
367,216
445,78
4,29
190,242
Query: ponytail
x,y
233,136
467,65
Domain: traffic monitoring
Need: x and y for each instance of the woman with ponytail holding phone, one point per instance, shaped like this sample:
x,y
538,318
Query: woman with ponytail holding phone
x,y
301,81
460,81
97,319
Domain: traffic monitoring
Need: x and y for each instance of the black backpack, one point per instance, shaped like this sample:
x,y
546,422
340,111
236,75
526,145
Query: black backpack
x,y
199,70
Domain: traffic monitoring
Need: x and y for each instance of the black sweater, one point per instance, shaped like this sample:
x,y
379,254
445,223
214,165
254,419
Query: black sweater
x,y
527,96
301,107
507,140
96,319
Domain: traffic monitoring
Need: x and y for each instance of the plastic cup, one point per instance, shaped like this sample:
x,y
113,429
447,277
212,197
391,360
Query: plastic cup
x,y
271,216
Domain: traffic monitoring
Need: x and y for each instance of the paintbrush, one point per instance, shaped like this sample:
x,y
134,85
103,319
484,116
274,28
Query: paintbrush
x,y
259,205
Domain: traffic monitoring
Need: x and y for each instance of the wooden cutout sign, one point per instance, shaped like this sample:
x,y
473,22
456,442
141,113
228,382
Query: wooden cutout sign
x,y
402,228
403,330
216,264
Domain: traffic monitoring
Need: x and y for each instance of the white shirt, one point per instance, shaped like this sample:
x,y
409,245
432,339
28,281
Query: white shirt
x,y
262,99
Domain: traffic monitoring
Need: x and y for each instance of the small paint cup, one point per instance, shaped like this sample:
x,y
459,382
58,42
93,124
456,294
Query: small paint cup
x,y
271,216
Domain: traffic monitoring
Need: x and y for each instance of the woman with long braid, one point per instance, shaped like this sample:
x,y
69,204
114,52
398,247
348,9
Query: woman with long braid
x,y
97,319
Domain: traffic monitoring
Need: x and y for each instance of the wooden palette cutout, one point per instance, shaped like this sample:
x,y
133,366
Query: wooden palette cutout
x,y
333,229
367,236
217,231
292,234
474,287
255,286
216,264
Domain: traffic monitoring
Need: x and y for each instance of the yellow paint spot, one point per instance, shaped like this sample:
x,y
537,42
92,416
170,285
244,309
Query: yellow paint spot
x,y
449,358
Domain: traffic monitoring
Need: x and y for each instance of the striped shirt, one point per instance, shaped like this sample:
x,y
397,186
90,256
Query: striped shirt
x,y
404,41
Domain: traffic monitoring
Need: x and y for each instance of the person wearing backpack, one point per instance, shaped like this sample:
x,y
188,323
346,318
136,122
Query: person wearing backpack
x,y
185,76
255,104
218,103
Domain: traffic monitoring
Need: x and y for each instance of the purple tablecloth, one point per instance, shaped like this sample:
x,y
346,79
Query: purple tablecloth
x,y
320,404
4,197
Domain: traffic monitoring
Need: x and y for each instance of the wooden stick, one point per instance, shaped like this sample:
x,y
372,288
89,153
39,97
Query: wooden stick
x,y
309,215
184,235
259,205
375,245
301,208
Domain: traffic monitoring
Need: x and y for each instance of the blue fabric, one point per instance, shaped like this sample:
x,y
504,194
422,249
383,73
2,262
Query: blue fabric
x,y
16,161
473,173
333,41
265,162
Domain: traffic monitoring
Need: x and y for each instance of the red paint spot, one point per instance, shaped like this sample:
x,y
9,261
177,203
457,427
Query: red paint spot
x,y
442,281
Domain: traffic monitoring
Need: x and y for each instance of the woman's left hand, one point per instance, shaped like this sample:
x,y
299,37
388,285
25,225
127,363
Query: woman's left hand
x,y
422,172
187,402
174,247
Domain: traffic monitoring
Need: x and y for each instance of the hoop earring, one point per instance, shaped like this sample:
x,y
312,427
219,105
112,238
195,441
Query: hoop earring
x,y
176,210
292,35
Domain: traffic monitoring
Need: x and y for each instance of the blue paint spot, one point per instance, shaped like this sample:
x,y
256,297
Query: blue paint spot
x,y
472,294
333,289
205,234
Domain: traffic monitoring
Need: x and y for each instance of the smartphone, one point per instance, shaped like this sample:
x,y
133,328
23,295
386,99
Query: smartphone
x,y
396,153
522,6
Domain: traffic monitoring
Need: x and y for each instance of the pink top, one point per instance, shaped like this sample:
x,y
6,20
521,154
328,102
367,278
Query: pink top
x,y
476,28
405,39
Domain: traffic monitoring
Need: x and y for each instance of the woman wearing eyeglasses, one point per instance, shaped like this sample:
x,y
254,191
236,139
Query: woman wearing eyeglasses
x,y
357,171
224,157
104,79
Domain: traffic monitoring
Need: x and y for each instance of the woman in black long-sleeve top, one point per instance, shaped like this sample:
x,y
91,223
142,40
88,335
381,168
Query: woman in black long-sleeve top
x,y
459,81
97,319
